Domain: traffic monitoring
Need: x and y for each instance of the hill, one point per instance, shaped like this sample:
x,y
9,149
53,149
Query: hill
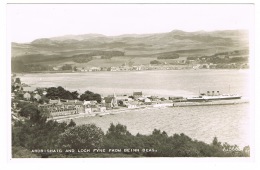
x,y
78,49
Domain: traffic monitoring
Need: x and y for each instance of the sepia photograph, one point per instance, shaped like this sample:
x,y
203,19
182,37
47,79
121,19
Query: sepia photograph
x,y
131,80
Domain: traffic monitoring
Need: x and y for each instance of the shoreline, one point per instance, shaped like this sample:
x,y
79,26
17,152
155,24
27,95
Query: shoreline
x,y
144,108
123,71
101,114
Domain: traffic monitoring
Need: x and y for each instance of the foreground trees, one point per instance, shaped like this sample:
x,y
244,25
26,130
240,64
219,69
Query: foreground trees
x,y
83,136
36,133
33,113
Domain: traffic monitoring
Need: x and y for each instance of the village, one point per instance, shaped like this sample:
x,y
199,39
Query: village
x,y
59,107
111,104
178,64
225,60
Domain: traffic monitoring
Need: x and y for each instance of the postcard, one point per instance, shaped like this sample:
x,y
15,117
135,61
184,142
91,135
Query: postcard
x,y
131,80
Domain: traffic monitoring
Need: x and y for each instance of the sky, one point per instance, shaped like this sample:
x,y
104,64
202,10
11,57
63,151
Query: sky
x,y
27,22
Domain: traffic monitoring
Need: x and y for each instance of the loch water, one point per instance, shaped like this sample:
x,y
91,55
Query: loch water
x,y
229,123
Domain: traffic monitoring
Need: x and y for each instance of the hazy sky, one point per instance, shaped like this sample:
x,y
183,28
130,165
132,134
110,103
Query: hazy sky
x,y
26,22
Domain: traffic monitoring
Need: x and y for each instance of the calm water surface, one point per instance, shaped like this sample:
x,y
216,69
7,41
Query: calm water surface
x,y
230,123
173,82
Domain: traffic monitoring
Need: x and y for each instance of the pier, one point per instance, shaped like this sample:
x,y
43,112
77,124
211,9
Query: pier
x,y
210,103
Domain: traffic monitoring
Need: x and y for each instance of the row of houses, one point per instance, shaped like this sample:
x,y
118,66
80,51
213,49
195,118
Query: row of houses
x,y
137,100
70,107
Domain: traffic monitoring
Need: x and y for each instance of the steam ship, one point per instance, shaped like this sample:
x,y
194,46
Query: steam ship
x,y
213,96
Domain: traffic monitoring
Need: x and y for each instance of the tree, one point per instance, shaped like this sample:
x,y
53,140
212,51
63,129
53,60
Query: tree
x,y
17,80
66,67
39,90
117,130
59,92
53,93
118,136
34,114
72,123
37,135
75,94
27,110
45,113
88,95
215,142
84,136
156,132
155,62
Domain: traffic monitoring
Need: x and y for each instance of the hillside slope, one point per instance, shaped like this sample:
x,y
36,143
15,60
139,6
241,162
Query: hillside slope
x,y
78,49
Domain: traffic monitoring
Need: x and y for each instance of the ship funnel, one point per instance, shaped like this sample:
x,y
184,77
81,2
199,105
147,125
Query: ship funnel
x,y
213,93
218,93
208,93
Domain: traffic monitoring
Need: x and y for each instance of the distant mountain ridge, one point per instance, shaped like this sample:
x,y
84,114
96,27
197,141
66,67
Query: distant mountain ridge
x,y
63,49
84,37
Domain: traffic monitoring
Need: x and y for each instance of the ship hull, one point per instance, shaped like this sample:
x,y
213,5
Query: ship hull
x,y
200,99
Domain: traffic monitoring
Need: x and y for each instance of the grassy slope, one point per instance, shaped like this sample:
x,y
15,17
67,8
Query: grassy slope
x,y
139,49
